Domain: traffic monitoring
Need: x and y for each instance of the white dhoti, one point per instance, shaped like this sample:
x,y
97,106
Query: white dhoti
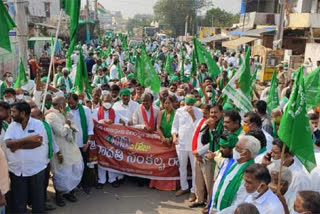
x,y
112,176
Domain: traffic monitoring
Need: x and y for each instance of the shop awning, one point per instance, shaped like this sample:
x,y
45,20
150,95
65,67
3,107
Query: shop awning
x,y
259,32
238,32
214,38
233,44
40,39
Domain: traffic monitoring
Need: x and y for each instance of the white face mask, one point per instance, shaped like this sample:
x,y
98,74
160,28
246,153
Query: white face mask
x,y
131,90
10,79
104,92
255,194
107,105
276,162
9,101
81,102
171,93
236,155
209,94
19,97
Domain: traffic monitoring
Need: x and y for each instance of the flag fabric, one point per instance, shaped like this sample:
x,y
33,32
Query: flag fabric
x,y
52,45
6,24
145,73
273,96
168,65
244,81
72,9
198,51
294,128
312,87
120,72
81,82
101,9
22,77
182,55
193,65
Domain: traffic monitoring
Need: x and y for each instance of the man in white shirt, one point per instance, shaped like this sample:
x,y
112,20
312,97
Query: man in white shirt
x,y
27,154
125,107
183,126
113,70
83,120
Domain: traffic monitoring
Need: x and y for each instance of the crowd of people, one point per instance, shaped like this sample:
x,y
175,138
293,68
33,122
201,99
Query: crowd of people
x,y
234,156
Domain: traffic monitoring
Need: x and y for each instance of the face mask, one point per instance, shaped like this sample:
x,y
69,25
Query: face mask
x,y
107,105
236,155
131,90
104,92
19,97
255,194
48,105
209,94
10,79
276,120
81,102
245,128
276,162
171,93
9,101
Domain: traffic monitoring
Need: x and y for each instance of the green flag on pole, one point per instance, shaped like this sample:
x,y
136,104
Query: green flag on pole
x,y
244,81
182,55
294,128
81,82
168,65
72,9
6,24
312,86
145,73
273,96
193,65
22,77
120,72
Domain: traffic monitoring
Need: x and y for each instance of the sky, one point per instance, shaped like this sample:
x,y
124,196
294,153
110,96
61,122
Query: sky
x,y
131,7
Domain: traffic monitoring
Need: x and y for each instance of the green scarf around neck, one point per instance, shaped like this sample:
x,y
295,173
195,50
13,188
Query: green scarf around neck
x,y
101,80
232,187
5,125
167,125
63,82
274,130
50,138
83,121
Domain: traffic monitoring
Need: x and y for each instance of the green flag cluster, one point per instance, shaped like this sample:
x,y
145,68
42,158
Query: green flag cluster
x,y
6,24
312,86
294,128
22,77
203,56
81,82
273,96
145,73
72,9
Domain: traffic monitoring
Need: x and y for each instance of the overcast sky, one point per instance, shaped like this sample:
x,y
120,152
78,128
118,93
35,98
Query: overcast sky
x,y
131,7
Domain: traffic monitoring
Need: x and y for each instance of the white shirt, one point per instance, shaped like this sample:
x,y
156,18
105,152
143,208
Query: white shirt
x,y
269,139
77,120
106,116
184,126
125,111
27,162
94,68
187,69
113,72
268,203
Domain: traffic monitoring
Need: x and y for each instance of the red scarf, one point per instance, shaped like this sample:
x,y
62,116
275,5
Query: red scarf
x,y
149,123
112,114
196,134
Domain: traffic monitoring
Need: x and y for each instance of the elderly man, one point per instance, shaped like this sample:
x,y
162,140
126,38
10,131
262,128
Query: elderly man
x,y
145,117
27,154
125,107
307,202
106,114
183,126
67,166
230,191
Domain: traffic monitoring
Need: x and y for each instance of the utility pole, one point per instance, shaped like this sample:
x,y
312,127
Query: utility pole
x,y
96,20
186,27
87,24
196,13
22,30
279,35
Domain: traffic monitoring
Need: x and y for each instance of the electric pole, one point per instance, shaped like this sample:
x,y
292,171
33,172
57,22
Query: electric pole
x,y
87,24
22,30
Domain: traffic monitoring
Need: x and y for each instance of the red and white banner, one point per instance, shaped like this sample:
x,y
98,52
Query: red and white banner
x,y
133,152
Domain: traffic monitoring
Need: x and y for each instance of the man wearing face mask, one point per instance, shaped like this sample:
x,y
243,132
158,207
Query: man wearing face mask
x,y
83,120
183,126
300,180
19,94
256,180
125,107
9,95
307,202
65,82
106,114
6,83
230,191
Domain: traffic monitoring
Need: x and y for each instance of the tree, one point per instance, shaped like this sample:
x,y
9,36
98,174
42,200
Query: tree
x,y
139,21
217,17
175,12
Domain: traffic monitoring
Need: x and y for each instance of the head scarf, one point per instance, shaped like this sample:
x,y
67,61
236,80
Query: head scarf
x,y
125,92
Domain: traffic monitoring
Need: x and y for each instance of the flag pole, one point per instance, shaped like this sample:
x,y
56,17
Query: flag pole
x,y
51,61
281,165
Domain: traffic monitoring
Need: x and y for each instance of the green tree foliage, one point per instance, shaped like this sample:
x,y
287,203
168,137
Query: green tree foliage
x,y
139,21
217,17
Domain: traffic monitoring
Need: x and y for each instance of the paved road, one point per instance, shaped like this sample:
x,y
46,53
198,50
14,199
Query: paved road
x,y
127,199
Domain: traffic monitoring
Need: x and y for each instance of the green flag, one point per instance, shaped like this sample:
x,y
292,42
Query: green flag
x,y
312,86
244,81
6,24
194,65
198,51
120,72
81,82
72,9
273,96
145,73
168,65
182,61
294,128
22,77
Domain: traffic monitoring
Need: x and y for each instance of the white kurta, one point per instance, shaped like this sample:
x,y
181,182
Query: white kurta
x,y
125,111
137,118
